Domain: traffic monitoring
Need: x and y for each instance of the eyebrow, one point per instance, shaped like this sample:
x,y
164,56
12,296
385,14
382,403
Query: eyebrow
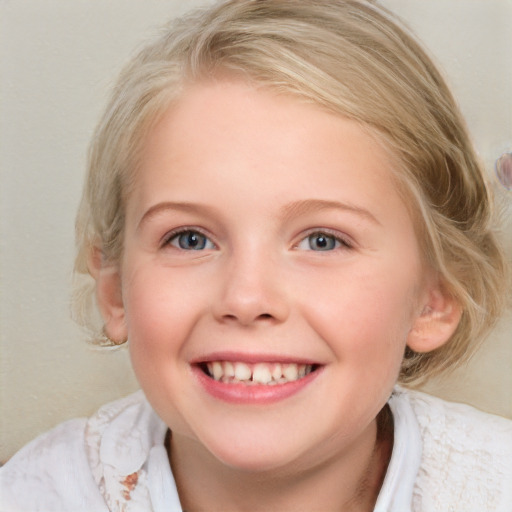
x,y
289,211
313,205
159,208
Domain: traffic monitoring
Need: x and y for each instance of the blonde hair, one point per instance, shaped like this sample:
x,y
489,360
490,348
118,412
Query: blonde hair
x,y
352,58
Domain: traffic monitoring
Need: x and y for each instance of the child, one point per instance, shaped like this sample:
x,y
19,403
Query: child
x,y
284,216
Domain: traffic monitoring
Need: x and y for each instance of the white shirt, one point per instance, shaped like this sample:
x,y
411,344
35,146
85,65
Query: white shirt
x,y
446,457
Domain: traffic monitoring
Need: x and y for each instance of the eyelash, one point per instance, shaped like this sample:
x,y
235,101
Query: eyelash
x,y
175,234
339,241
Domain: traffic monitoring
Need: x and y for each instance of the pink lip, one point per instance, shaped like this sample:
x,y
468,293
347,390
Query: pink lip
x,y
254,394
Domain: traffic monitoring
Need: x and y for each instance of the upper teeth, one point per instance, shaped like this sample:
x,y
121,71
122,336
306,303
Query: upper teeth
x,y
259,373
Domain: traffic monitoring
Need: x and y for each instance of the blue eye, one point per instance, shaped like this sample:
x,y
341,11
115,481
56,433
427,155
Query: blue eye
x,y
190,240
321,241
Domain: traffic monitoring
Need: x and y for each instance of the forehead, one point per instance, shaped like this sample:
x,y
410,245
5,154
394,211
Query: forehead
x,y
251,139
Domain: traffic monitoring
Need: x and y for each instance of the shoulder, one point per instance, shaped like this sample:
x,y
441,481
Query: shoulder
x,y
79,465
51,473
466,456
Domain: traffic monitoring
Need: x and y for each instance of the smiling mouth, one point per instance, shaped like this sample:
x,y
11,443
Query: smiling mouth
x,y
269,374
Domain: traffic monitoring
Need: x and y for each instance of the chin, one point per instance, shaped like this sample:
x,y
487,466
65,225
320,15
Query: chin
x,y
245,455
257,462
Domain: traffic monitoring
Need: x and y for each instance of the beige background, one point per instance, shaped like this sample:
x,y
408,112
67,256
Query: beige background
x,y
58,59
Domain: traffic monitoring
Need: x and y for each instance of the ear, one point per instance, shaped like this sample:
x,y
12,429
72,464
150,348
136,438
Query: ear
x,y
109,296
438,319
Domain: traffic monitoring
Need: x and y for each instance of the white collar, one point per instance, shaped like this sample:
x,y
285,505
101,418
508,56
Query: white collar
x,y
126,438
396,492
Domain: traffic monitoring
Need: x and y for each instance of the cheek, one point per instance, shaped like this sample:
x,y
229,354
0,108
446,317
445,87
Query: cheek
x,y
150,340
160,312
160,300
365,318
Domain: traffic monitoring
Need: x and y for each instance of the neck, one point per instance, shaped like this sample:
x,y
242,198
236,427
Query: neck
x,y
350,481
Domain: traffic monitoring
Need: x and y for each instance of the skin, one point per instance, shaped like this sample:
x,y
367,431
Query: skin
x,y
257,175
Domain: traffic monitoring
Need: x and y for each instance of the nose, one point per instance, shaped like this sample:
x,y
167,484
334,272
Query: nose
x,y
252,292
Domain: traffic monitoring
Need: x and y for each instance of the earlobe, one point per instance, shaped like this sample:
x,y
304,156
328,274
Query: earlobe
x,y
109,296
436,323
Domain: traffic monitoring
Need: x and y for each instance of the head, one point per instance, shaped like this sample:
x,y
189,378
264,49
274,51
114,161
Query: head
x,y
351,59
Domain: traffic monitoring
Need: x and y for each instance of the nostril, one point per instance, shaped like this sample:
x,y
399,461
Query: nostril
x,y
247,319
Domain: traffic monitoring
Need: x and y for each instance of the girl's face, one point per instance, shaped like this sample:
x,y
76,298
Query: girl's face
x,y
270,279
